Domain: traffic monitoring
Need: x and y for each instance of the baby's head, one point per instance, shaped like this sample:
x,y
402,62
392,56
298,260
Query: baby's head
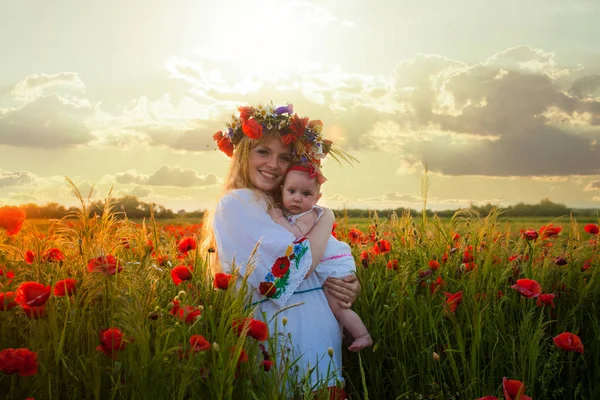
x,y
301,188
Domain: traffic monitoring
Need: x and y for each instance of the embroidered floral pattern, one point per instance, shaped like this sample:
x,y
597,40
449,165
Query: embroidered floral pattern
x,y
276,282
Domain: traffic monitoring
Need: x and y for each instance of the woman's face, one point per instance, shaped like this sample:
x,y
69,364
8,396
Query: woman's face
x,y
268,163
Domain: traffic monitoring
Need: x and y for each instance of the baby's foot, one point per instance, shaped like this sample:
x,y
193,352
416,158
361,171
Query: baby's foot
x,y
361,342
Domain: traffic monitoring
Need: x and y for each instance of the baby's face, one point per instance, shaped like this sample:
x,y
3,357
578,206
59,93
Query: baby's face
x,y
300,192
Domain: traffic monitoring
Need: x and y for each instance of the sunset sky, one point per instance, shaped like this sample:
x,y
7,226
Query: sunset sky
x,y
500,99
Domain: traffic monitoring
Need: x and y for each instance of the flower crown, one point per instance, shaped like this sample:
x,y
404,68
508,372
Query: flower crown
x,y
304,135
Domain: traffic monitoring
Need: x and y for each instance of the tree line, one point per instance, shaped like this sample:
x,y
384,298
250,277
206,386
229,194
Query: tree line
x,y
131,207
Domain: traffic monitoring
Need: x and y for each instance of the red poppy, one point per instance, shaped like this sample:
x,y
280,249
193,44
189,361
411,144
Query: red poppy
x,y
591,229
7,301
382,246
513,389
256,329
29,257
530,234
467,257
445,257
267,289
199,343
545,299
354,235
569,342
549,231
106,264
112,340
587,264
222,280
528,288
65,287
252,129
53,255
280,267
186,244
266,365
181,273
455,237
12,219
187,314
32,294
18,361
434,265
9,275
245,112
453,300
392,264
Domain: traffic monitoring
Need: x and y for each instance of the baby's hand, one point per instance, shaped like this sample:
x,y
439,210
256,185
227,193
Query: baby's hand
x,y
276,213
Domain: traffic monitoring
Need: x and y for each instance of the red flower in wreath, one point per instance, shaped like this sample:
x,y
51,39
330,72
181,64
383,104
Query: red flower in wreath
x,y
223,143
252,129
245,112
280,267
267,289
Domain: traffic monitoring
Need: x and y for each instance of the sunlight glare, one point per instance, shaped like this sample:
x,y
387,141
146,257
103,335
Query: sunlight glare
x,y
267,37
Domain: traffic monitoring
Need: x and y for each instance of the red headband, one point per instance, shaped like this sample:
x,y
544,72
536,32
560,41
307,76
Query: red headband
x,y
311,170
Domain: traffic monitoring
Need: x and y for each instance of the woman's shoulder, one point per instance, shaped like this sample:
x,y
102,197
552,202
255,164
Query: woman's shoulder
x,y
240,197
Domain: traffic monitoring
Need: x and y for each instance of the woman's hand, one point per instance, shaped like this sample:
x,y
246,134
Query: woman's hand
x,y
344,290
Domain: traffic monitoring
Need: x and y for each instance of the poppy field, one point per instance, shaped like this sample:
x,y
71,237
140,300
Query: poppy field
x,y
104,308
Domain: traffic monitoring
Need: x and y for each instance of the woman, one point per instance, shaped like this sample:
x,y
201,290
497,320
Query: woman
x,y
263,142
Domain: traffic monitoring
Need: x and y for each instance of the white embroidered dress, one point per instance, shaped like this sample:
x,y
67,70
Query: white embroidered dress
x,y
241,220
337,261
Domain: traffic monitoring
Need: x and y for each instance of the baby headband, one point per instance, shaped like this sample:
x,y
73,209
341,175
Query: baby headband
x,y
311,170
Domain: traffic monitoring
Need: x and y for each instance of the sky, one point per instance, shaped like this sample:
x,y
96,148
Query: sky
x,y
492,102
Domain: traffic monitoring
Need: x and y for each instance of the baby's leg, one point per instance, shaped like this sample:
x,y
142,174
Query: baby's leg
x,y
352,323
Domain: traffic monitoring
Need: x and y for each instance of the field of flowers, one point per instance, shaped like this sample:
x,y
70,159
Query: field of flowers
x,y
105,308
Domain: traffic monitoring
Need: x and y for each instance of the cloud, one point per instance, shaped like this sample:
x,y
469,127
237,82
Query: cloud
x,y
17,178
136,191
167,176
585,86
46,122
33,86
395,197
592,185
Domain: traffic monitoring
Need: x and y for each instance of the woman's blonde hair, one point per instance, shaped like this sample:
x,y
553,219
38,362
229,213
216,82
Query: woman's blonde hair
x,y
238,177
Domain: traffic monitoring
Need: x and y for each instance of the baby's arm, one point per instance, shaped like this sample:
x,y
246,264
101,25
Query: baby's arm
x,y
279,218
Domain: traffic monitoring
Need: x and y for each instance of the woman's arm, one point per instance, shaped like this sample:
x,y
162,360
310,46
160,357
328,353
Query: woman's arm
x,y
344,290
318,238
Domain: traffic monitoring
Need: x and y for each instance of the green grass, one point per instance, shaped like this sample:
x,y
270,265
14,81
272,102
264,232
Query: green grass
x,y
487,338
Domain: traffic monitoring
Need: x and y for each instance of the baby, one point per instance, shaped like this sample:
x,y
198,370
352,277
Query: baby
x,y
301,191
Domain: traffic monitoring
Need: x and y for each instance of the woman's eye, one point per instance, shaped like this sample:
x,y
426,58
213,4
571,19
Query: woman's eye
x,y
286,159
263,152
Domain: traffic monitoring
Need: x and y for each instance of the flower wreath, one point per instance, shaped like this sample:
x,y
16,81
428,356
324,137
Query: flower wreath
x,y
305,135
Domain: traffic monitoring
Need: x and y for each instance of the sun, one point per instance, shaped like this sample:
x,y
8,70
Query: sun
x,y
265,37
